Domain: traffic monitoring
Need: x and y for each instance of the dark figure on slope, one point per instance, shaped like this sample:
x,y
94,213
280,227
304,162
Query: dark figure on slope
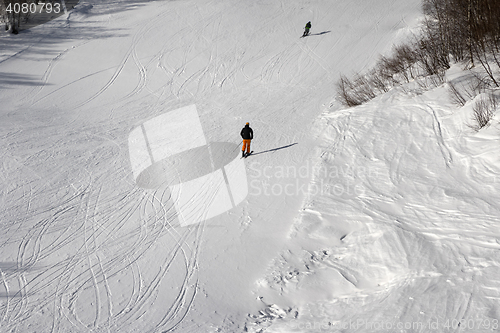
x,y
247,135
307,28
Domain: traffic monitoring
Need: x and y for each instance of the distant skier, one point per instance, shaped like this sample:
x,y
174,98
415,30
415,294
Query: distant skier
x,y
247,135
306,29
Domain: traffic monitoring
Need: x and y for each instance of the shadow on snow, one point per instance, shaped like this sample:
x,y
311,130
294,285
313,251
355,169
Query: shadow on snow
x,y
320,33
274,149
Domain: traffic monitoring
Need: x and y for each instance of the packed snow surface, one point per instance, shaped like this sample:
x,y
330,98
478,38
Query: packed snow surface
x,y
382,217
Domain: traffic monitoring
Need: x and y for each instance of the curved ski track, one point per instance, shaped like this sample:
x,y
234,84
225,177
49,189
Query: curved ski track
x,y
89,234
76,241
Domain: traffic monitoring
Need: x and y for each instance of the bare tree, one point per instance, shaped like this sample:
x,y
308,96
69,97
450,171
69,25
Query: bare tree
x,y
483,111
13,14
463,30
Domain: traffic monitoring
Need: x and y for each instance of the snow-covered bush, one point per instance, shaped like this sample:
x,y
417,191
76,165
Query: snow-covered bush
x,y
484,110
463,31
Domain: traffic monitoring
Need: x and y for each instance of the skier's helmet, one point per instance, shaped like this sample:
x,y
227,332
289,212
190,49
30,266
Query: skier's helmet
x,y
247,124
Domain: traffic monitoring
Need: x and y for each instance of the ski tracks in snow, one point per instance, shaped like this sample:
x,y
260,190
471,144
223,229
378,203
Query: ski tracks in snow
x,y
98,257
114,253
131,52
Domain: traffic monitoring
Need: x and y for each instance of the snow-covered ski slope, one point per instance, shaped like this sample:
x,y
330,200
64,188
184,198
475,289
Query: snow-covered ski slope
x,y
399,232
382,214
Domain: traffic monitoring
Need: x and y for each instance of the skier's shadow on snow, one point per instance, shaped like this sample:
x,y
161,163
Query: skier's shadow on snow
x,y
320,33
274,149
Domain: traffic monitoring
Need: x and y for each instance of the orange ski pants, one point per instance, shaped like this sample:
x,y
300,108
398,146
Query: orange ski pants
x,y
246,145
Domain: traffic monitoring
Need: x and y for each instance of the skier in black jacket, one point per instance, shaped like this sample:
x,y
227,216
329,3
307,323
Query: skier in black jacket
x,y
247,135
306,29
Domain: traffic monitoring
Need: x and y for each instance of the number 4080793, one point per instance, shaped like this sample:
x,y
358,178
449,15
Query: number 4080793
x,y
33,8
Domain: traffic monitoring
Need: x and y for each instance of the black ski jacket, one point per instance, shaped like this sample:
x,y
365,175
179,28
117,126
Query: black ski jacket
x,y
247,133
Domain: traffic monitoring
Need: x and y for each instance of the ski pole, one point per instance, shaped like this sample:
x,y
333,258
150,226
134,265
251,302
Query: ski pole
x,y
232,151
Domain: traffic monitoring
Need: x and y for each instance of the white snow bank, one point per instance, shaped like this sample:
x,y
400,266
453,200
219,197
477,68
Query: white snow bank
x,y
415,242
